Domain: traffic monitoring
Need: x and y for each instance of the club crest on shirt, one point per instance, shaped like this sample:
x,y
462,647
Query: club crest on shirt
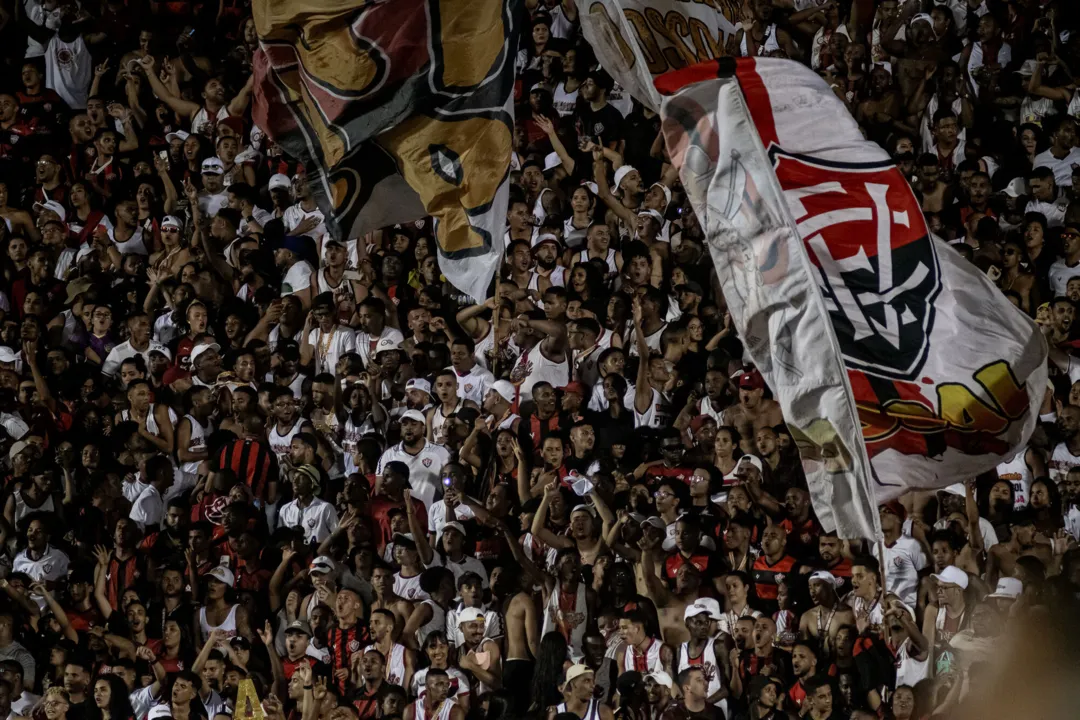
x,y
354,645
427,462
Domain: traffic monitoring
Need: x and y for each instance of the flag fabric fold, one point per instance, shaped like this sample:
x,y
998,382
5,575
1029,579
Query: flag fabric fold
x,y
897,363
398,109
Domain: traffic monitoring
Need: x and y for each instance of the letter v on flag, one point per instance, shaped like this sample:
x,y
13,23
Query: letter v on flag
x,y
898,365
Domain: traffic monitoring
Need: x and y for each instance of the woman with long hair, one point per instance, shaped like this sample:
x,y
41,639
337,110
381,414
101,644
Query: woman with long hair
x,y
110,700
726,452
436,654
1046,504
547,677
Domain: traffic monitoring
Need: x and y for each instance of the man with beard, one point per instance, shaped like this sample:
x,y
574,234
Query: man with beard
x,y
81,611
828,615
771,567
1001,559
173,604
761,658
295,270
422,458
754,411
548,272
906,642
694,704
657,686
373,319
172,539
498,407
400,661
804,663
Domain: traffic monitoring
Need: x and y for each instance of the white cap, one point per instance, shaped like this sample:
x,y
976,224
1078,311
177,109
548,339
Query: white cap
x,y
826,577
470,614
213,166
200,349
694,609
953,575
622,173
505,389
552,161
222,574
753,460
53,206
172,221
278,181
711,606
1016,187
660,678
386,343
415,415
655,215
454,525
666,190
160,711
7,355
180,135
1008,588
418,384
323,564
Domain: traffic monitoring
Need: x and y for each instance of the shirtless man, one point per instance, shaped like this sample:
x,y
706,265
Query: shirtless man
x,y
671,606
522,623
1002,557
829,614
753,411
479,655
382,580
936,195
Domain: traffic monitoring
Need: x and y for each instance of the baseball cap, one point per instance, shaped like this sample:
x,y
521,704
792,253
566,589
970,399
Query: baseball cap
x,y
298,626
753,460
694,609
414,415
279,181
546,238
711,606
180,135
573,387
404,539
172,221
751,380
505,389
660,678
17,447
454,525
470,614
418,384
896,508
7,355
1016,187
953,575
622,173
691,286
201,348
1008,588
824,576
223,575
53,206
656,521
574,672
552,161
666,190
322,565
384,344
649,212
213,166
159,711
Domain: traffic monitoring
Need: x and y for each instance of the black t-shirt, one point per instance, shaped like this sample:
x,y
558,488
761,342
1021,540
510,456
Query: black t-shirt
x,y
607,124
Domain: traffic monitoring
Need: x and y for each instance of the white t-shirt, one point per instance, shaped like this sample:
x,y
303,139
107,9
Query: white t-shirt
x,y
297,279
294,214
437,517
903,562
474,385
1053,212
69,70
1061,461
52,565
148,509
1062,168
1060,273
329,348
365,344
318,519
424,468
210,203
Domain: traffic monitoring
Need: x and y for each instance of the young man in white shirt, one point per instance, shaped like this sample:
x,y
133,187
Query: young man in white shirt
x,y
316,518
904,556
424,459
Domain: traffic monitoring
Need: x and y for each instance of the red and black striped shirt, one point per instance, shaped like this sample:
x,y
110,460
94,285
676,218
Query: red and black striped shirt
x,y
253,462
342,643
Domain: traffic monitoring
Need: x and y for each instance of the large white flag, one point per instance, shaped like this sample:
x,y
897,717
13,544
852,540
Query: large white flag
x,y
897,363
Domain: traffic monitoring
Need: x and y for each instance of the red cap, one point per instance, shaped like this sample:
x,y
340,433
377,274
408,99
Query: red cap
x,y
751,380
896,508
574,387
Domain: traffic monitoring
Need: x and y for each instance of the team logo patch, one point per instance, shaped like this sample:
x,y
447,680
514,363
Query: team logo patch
x,y
878,269
354,645
427,462
468,387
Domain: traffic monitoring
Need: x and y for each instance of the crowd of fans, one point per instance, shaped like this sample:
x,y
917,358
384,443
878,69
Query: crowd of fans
x,y
236,449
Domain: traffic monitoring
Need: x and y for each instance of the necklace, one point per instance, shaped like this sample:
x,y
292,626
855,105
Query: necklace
x,y
324,342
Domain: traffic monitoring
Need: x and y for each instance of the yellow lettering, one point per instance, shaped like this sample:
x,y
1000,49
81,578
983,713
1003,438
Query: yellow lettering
x,y
999,381
245,694
707,47
678,55
962,409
